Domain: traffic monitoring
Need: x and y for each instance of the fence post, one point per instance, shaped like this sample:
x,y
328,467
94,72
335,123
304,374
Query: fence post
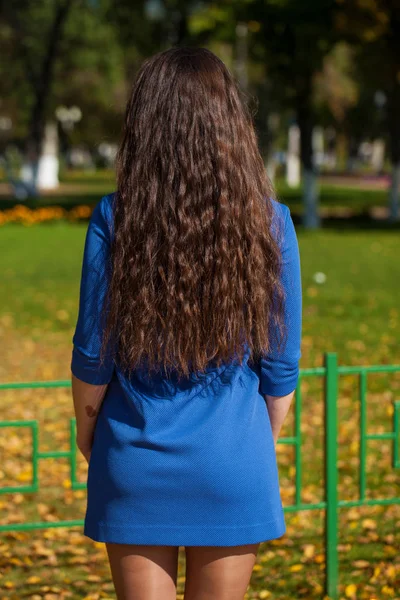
x,y
331,475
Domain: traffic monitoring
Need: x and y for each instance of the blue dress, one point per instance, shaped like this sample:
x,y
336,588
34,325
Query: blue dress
x,y
183,463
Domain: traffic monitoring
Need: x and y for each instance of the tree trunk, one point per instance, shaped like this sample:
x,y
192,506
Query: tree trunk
x,y
394,193
352,158
393,102
311,218
242,55
270,166
394,138
42,89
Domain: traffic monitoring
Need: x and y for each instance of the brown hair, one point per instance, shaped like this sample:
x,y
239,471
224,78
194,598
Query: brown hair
x,y
195,268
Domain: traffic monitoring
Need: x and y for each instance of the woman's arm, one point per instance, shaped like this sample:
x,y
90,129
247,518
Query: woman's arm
x,y
278,408
89,376
280,369
87,400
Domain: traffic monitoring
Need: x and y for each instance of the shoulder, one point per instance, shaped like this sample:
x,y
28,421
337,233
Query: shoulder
x,y
280,217
102,215
281,210
104,207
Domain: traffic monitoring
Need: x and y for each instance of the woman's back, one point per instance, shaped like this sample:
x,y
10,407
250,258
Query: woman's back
x,y
183,460
88,334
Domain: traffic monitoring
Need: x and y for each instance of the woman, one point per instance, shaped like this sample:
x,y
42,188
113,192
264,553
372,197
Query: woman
x,y
186,349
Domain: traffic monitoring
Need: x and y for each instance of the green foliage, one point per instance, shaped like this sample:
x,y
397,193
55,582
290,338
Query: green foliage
x,y
88,69
373,28
321,60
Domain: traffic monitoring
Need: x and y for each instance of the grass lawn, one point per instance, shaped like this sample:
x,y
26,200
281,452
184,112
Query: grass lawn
x,y
354,313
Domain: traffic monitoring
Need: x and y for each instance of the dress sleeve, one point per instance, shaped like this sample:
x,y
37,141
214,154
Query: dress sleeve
x,y
280,370
85,363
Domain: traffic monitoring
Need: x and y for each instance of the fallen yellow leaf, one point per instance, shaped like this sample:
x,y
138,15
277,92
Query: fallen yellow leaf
x,y
8,584
388,591
350,590
309,550
25,476
390,550
94,578
361,564
369,524
391,572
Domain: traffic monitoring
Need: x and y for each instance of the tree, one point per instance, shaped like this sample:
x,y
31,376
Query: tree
x,y
297,37
66,64
37,56
292,38
374,30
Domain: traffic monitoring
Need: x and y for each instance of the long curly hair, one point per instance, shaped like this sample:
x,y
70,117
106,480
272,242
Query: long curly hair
x,y
195,268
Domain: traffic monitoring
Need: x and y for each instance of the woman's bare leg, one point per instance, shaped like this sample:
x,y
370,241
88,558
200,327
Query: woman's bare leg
x,y
143,572
218,573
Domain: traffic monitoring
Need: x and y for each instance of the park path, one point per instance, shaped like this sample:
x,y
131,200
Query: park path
x,y
64,189
366,182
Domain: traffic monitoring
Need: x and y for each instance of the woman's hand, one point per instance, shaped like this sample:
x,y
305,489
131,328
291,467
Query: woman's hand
x,y
87,399
84,448
278,407
87,456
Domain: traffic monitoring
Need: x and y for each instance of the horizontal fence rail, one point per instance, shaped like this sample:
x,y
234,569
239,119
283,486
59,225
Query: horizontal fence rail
x,y
331,504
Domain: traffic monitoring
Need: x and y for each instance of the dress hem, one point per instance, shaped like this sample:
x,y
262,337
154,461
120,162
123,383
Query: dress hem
x,y
171,535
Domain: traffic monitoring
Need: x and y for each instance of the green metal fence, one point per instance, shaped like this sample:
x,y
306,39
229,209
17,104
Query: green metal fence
x,y
331,504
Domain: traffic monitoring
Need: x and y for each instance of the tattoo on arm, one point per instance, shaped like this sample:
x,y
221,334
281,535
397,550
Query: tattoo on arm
x,y
90,411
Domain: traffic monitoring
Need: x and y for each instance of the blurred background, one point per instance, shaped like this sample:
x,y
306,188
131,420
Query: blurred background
x,y
323,80
322,76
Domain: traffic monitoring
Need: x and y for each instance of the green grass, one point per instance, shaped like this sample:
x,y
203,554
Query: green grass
x,y
40,268
333,195
354,313
358,299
